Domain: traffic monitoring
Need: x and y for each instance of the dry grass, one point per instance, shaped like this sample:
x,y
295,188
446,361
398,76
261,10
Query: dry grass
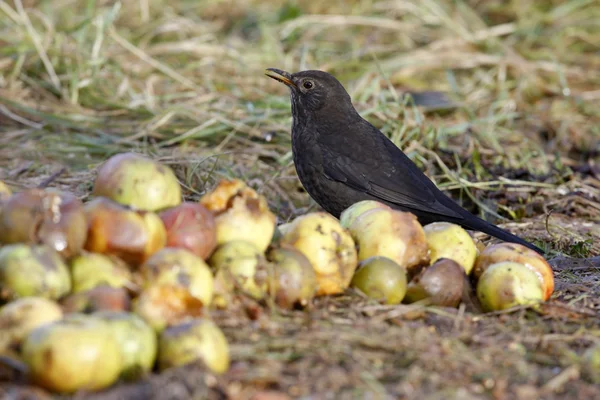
x,y
183,81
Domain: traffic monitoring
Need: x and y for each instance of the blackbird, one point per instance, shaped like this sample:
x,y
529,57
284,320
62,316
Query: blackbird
x,y
341,158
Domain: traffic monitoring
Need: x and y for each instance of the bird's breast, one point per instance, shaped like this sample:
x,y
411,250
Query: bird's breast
x,y
306,153
333,196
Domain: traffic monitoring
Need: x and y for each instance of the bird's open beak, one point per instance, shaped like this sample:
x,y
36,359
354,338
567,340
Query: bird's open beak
x,y
281,76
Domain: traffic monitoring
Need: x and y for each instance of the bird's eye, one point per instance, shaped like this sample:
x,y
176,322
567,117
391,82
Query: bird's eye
x,y
307,84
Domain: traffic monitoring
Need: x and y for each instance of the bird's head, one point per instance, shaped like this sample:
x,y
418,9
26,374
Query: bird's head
x,y
313,91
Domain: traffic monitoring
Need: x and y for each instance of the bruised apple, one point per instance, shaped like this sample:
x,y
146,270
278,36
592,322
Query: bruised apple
x,y
191,226
73,354
197,339
130,235
328,247
381,279
179,267
451,241
442,283
240,214
89,270
38,216
507,284
520,254
349,215
32,270
294,281
137,181
240,265
162,305
21,316
394,234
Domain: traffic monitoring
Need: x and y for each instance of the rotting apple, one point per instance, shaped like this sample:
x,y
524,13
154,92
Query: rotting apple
x,y
240,265
507,284
38,216
137,181
349,215
381,279
32,270
442,284
89,270
451,241
179,267
130,235
294,281
394,234
23,315
191,226
240,214
136,339
73,354
190,341
328,247
162,305
520,254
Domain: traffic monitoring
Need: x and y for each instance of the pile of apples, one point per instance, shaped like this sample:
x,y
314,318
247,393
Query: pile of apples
x,y
111,289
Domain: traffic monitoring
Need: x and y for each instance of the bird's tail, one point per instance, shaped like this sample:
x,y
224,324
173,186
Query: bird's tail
x,y
479,224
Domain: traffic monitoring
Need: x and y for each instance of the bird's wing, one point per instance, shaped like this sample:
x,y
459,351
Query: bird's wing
x,y
383,171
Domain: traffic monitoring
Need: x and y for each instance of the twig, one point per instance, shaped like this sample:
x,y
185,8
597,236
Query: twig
x,y
46,182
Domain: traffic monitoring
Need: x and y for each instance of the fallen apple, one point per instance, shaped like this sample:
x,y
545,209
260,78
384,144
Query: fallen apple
x,y
21,316
381,279
136,339
520,254
162,305
328,247
130,235
349,215
32,270
191,226
394,234
137,181
441,283
89,270
507,284
198,339
179,267
450,241
72,354
294,281
240,214
37,216
240,265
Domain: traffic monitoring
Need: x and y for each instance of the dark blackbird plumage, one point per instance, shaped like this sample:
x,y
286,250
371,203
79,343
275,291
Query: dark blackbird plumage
x,y
341,158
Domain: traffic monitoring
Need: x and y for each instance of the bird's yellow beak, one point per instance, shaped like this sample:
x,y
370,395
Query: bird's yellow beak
x,y
281,76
